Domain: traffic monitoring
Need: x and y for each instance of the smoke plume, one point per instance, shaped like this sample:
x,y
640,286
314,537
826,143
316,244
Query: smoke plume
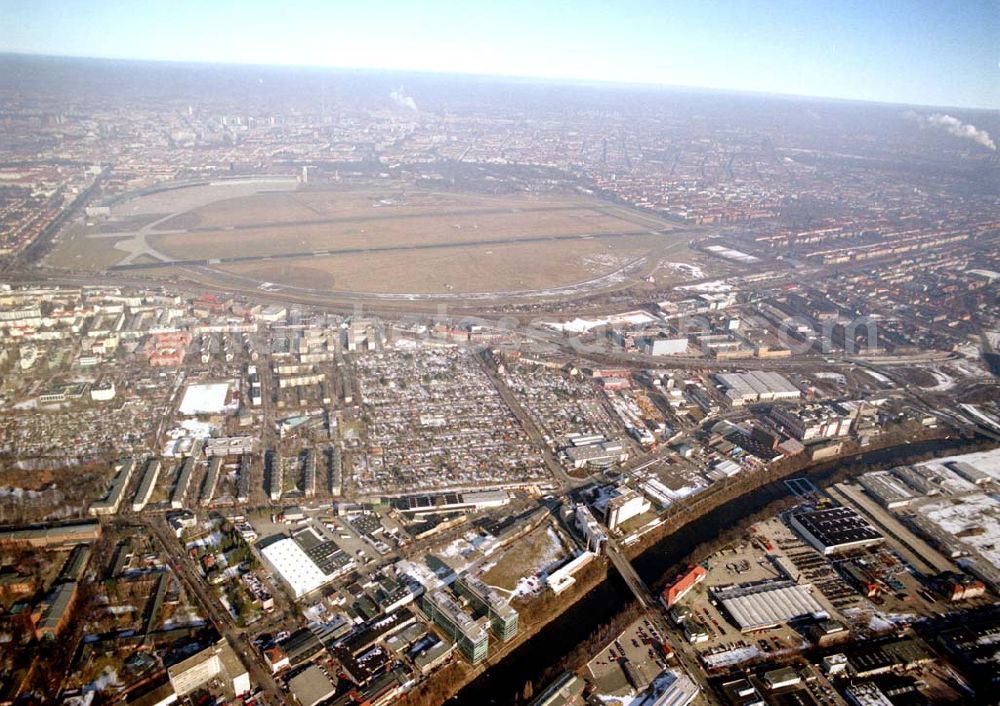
x,y
402,100
956,127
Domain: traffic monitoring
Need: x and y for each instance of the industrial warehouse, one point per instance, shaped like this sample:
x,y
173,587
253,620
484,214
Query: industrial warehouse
x,y
292,558
835,529
766,605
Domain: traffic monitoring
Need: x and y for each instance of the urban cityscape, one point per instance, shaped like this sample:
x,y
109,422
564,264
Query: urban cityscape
x,y
340,387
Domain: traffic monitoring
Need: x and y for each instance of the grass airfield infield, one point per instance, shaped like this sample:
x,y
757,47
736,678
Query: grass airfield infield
x,y
389,241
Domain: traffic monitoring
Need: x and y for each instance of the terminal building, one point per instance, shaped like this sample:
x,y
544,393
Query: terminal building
x,y
503,618
472,639
835,529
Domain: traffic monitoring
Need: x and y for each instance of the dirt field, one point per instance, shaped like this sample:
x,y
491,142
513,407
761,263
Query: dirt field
x,y
536,552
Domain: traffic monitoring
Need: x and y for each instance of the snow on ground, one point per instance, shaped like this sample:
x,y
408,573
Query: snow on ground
x,y
180,439
729,658
976,518
717,285
943,381
171,624
421,573
527,586
576,325
108,678
685,268
199,430
969,368
877,621
462,553
457,548
211,540
628,318
18,493
314,613
209,398
880,377
548,560
985,461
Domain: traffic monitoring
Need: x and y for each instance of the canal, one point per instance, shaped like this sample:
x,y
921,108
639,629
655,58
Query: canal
x,y
503,681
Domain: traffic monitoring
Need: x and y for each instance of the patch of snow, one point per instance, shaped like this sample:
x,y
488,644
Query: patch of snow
x,y
943,381
207,398
686,269
717,285
729,658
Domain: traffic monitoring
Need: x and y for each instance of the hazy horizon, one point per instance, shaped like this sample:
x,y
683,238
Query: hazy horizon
x,y
921,54
511,78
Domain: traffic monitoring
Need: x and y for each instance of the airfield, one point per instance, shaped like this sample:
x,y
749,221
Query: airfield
x,y
383,241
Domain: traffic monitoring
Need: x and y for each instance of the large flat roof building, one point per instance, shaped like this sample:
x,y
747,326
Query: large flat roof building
x,y
294,566
835,529
183,483
311,686
887,489
218,660
756,386
767,604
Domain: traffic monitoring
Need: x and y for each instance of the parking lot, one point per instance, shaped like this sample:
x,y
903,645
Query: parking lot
x,y
630,662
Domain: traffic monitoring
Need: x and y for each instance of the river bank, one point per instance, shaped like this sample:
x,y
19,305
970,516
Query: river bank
x,y
674,544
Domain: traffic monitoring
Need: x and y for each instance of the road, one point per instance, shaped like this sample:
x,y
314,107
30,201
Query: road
x,y
143,247
260,673
528,424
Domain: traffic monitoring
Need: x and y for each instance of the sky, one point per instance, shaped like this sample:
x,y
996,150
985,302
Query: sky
x,y
944,53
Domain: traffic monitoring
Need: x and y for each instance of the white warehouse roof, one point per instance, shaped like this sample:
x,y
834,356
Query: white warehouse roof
x,y
294,566
758,606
